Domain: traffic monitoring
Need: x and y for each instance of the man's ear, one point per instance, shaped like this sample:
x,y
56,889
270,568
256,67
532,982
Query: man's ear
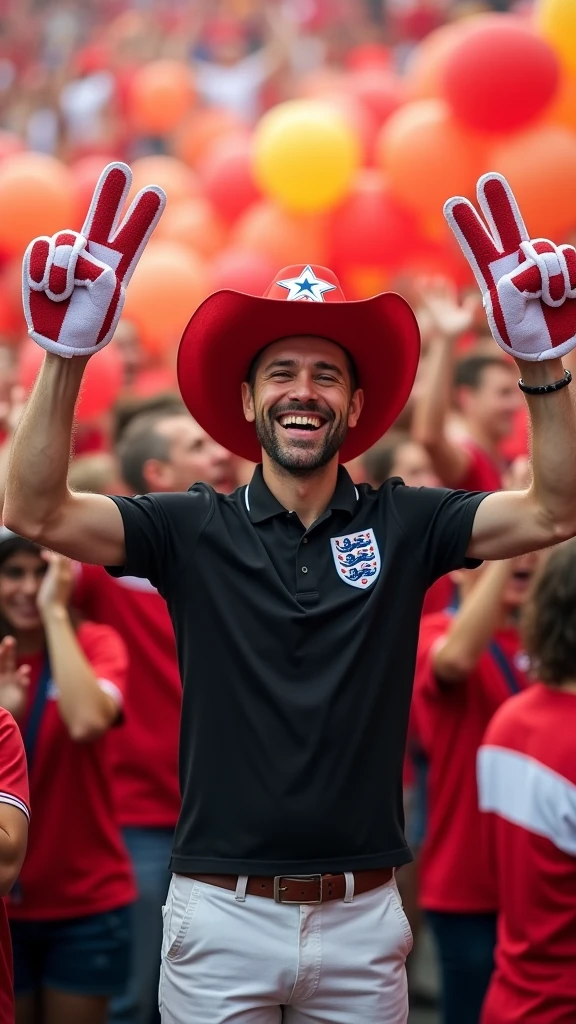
x,y
355,407
248,401
155,472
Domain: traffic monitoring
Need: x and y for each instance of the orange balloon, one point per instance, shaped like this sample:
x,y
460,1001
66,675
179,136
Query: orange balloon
x,y
424,70
193,223
177,180
427,157
562,110
540,165
36,198
285,238
168,284
160,94
195,136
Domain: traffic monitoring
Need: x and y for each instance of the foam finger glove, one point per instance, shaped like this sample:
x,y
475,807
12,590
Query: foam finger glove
x,y
73,284
528,286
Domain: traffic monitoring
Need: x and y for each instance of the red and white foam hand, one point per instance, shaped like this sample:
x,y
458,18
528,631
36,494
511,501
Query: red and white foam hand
x,y
528,286
73,284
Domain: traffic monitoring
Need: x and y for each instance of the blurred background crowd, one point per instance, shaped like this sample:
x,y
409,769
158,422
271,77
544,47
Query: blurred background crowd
x,y
286,132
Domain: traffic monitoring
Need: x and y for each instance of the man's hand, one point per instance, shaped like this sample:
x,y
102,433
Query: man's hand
x,y
73,285
528,287
448,317
14,681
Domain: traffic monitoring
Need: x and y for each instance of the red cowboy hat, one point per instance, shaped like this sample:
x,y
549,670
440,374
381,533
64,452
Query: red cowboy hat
x,y
229,329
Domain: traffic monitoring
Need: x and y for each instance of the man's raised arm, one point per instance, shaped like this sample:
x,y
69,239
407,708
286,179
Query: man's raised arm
x,y
73,292
529,293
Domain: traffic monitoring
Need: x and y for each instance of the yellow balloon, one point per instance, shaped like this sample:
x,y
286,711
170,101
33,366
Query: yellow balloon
x,y
556,20
305,155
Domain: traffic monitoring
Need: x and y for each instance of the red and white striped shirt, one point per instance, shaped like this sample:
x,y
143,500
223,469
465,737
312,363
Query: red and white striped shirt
x,y
527,791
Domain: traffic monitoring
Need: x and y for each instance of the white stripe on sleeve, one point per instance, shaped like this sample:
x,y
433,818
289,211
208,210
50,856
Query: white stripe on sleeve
x,y
525,792
9,798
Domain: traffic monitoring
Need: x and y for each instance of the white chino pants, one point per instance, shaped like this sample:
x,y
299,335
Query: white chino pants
x,y
229,960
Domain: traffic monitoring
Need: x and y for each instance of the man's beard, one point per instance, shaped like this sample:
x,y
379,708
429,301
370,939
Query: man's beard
x,y
299,459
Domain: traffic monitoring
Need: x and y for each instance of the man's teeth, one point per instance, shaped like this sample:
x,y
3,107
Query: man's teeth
x,y
290,420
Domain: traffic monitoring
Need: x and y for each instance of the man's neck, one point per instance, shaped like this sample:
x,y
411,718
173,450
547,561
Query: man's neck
x,y
308,496
482,438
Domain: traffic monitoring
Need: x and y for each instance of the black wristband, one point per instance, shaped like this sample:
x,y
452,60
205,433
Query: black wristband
x,y
546,389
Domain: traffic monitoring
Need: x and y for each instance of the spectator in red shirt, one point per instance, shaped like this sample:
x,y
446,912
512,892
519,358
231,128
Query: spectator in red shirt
x,y
14,817
161,450
487,399
527,789
469,662
63,681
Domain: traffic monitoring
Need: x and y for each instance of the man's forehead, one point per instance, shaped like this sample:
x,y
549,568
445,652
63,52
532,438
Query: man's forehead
x,y
309,349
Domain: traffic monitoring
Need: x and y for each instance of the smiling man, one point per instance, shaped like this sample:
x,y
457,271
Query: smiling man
x,y
296,600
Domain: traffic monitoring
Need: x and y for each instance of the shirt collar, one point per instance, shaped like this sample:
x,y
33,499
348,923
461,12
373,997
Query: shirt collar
x,y
261,503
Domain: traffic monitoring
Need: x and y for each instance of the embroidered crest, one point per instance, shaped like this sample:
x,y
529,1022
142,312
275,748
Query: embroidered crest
x,y
357,558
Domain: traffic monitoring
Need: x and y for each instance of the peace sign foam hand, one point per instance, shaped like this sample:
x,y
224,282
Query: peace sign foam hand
x,y
528,286
73,284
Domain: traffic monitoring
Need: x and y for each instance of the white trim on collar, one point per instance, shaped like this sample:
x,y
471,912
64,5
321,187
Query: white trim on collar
x,y
247,503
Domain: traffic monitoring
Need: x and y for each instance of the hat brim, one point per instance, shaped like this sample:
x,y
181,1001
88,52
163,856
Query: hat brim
x,y
229,328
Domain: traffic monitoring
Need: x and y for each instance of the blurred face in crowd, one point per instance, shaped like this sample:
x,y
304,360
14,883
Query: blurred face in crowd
x,y
493,404
518,587
128,346
413,464
192,456
20,577
301,402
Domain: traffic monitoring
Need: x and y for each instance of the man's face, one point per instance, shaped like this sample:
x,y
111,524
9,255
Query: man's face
x,y
414,465
193,457
301,403
494,403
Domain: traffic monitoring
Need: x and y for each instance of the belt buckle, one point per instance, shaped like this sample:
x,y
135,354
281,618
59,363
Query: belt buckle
x,y
296,878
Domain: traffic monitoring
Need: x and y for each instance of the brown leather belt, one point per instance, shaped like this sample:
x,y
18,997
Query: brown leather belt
x,y
301,888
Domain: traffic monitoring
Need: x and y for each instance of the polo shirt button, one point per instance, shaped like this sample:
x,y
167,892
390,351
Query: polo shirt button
x,y
304,540
304,568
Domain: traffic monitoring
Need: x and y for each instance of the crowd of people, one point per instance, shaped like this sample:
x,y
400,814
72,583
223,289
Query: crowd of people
x,y
90,684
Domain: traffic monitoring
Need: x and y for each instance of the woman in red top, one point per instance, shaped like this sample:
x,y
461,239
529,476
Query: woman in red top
x,y
63,681
14,816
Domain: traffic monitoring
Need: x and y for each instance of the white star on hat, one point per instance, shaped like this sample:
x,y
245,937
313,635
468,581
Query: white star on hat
x,y
307,286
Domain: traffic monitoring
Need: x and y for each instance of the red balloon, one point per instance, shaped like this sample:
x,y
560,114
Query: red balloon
x,y
378,91
371,228
243,271
101,384
501,76
226,174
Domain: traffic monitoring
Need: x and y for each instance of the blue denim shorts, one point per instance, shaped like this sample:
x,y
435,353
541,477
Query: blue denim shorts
x,y
83,955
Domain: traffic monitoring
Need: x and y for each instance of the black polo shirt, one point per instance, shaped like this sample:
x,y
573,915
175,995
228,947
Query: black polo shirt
x,y
296,650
